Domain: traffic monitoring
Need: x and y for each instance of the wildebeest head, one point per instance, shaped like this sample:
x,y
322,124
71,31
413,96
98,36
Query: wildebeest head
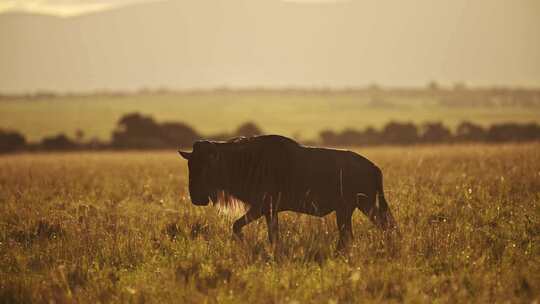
x,y
202,164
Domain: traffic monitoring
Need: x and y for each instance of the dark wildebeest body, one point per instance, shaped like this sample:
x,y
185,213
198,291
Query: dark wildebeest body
x,y
273,173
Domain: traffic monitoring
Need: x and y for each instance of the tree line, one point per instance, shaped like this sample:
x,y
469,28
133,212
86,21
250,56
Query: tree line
x,y
137,131
407,133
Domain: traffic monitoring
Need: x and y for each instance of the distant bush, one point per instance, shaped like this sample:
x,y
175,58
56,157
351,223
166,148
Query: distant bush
x,y
435,132
58,142
513,132
469,132
178,134
431,132
330,138
11,141
248,129
400,133
136,131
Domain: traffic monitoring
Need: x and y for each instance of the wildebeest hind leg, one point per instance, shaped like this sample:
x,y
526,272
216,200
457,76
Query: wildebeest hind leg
x,y
273,227
344,223
250,216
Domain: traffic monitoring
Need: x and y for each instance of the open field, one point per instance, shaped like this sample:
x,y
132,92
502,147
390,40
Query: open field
x,y
119,227
301,114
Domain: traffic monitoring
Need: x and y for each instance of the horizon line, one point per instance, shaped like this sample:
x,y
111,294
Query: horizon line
x,y
431,86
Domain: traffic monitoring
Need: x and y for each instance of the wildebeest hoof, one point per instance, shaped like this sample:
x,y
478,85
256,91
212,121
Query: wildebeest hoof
x,y
342,247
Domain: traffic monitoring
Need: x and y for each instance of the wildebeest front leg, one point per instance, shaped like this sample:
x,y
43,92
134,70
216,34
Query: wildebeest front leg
x,y
344,223
250,216
273,227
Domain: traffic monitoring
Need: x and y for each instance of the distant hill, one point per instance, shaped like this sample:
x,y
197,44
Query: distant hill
x,y
270,43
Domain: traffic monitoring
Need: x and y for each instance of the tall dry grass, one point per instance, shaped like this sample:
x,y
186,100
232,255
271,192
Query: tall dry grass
x,y
119,227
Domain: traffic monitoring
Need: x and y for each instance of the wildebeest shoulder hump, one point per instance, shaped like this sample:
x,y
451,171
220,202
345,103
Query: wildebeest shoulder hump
x,y
262,139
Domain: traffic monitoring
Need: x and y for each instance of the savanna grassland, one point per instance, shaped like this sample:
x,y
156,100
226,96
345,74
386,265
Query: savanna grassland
x,y
119,227
301,114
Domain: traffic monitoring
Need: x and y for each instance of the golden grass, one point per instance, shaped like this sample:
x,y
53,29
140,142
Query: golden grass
x,y
118,226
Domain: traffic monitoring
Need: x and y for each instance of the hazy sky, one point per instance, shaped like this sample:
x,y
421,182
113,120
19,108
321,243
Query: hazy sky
x,y
63,7
204,43
68,8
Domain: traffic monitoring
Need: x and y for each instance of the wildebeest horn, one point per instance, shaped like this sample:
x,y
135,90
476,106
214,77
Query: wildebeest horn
x,y
185,155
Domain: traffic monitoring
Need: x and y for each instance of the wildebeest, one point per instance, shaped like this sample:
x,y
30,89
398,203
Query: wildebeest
x,y
272,173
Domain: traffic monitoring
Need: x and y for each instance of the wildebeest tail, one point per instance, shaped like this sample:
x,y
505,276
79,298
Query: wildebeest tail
x,y
384,210
382,204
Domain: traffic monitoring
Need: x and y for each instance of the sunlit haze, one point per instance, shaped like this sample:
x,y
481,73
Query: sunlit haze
x,y
128,44
63,8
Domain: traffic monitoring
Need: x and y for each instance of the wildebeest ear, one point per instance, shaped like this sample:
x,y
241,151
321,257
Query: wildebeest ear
x,y
185,155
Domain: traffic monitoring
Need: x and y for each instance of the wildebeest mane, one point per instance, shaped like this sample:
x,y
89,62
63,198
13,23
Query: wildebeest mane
x,y
250,169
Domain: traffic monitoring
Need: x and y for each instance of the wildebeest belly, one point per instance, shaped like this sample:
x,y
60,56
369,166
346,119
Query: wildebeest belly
x,y
308,207
315,184
324,179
